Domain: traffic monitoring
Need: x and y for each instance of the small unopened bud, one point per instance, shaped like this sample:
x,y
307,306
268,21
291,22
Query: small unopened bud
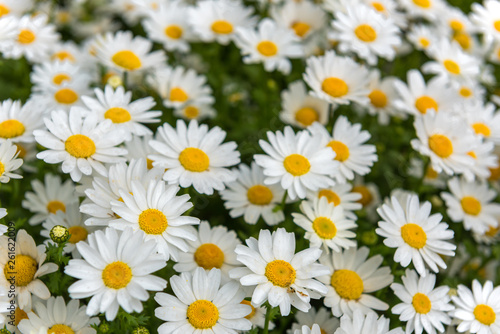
x,y
5,331
115,81
369,238
140,330
104,328
59,234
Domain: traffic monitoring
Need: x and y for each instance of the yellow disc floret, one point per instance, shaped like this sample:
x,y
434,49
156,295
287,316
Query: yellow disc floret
x,y
300,28
485,314
496,25
4,10
366,194
331,196
191,112
174,31
324,228
267,48
117,275
11,128
441,145
341,150
306,116
209,256
335,87
60,78
66,96
60,329
127,59
422,3
347,284
471,205
222,27
153,221
77,234
54,206
296,164
451,66
378,98
479,128
366,33
280,273
202,314
254,310
194,160
259,195
26,37
80,146
178,94
426,102
421,303
118,115
19,315
23,268
414,235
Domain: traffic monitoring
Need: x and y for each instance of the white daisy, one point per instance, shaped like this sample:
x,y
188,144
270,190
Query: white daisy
x,y
486,16
325,225
484,160
258,315
315,329
361,323
423,307
115,271
352,277
194,155
9,162
249,197
8,31
322,318
63,96
52,76
281,277
81,143
472,203
428,9
69,51
18,123
418,236
202,305
15,7
138,148
304,18
484,119
422,36
195,110
340,195
382,96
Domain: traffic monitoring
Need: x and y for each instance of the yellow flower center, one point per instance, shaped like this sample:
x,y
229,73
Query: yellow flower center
x,y
492,231
331,196
26,37
366,195
414,235
66,96
259,195
174,31
117,275
149,163
451,66
378,98
485,314
21,151
267,48
127,59
479,128
23,269
11,128
421,303
4,10
335,87
280,273
465,92
77,234
153,221
424,42
471,205
306,116
191,112
300,28
80,146
324,228
177,94
340,149
426,102
463,39
347,284
296,164
472,154
63,55
254,310
422,3
54,206
365,33
118,115
456,25
202,314
194,160
222,27
496,24
19,315
60,78
209,256
60,329
441,145
2,168
430,173
378,6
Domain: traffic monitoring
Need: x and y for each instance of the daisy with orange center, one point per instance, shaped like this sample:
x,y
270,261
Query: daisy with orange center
x,y
17,122
304,18
382,96
486,16
341,195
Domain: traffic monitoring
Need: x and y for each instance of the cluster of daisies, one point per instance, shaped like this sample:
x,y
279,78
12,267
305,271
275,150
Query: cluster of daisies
x,y
138,207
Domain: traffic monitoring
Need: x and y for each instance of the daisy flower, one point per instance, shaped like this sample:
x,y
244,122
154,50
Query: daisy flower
x,y
214,20
258,315
249,197
15,7
8,162
126,115
124,52
281,277
325,225
68,51
24,271
337,79
81,143
194,155
315,329
352,277
156,210
115,271
58,316
347,141
297,161
51,76
389,9
423,307
195,110
202,305
478,310
484,119
365,32
428,9
301,109
270,44
422,37
361,323
138,148
212,248
484,160
486,16
370,197
340,195
304,18
321,318
8,31
382,96
473,204
48,197
18,122
418,236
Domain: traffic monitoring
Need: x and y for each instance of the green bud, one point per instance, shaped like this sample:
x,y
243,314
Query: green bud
x,y
103,328
140,330
369,238
59,234
5,331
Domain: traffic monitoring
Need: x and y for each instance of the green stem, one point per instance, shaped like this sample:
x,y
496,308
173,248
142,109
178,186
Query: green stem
x,y
125,79
281,206
268,318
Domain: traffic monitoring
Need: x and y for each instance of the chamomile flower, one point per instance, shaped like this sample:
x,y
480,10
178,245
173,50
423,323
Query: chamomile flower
x,y
202,305
477,310
281,277
472,204
340,195
301,109
337,79
81,143
250,197
24,271
58,317
422,37
365,32
325,225
8,31
212,248
352,277
258,315
138,148
322,318
69,51
315,329
9,162
484,160
125,114
487,18
194,155
428,9
15,7
304,17
370,196
51,76
484,120
423,307
48,197
115,271
297,161
196,110
270,44
361,323
124,52
17,122
382,96
418,236
156,210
